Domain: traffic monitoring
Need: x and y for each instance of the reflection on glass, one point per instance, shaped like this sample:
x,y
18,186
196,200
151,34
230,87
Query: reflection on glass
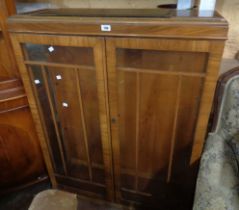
x,y
36,75
65,96
161,60
59,54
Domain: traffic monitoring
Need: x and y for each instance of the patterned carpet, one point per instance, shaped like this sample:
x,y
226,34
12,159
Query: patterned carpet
x,y
84,203
60,200
39,197
21,200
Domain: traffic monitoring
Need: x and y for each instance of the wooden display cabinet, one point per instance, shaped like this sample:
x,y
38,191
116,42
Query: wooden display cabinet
x,y
121,98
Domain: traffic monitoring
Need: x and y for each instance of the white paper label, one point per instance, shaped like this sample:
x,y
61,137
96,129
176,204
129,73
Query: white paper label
x,y
105,27
37,81
58,77
64,104
51,49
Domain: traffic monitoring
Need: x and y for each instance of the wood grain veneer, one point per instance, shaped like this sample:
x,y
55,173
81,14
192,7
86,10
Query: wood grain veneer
x,y
8,66
19,152
136,98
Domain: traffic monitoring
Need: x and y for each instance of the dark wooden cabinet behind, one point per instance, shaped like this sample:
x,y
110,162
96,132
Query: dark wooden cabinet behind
x,y
124,111
21,161
8,66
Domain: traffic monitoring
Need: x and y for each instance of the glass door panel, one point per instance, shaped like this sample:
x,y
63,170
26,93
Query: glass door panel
x,y
71,102
35,73
162,60
154,100
73,111
59,54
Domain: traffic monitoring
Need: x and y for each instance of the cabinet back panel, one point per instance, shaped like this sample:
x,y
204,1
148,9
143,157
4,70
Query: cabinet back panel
x,y
154,113
190,96
162,60
127,130
127,117
157,99
87,79
70,123
65,91
35,74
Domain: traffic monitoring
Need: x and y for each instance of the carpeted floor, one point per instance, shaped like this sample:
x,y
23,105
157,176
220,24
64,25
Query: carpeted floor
x,y
60,200
85,203
39,197
21,200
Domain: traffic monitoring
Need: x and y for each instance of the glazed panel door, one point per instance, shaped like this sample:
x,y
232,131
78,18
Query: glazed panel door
x,y
155,89
65,80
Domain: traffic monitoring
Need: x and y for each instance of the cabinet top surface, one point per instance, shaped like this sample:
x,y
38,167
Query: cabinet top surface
x,y
124,22
130,14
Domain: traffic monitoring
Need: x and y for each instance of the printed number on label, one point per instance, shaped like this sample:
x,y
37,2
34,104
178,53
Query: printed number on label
x,y
105,27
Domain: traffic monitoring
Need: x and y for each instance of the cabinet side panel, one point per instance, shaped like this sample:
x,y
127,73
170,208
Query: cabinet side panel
x,y
215,56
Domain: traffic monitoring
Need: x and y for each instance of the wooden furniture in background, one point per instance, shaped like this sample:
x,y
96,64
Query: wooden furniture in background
x,y
121,98
8,66
11,7
21,160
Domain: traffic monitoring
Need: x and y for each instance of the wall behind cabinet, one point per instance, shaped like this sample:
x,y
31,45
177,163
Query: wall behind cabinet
x,y
112,4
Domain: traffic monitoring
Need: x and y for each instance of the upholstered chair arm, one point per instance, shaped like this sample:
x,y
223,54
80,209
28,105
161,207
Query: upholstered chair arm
x,y
217,184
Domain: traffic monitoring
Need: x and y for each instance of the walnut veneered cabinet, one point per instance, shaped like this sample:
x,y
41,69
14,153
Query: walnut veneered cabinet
x,y
121,98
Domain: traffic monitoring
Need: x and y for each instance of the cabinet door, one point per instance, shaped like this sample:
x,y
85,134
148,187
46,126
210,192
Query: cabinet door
x,y
64,77
156,87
